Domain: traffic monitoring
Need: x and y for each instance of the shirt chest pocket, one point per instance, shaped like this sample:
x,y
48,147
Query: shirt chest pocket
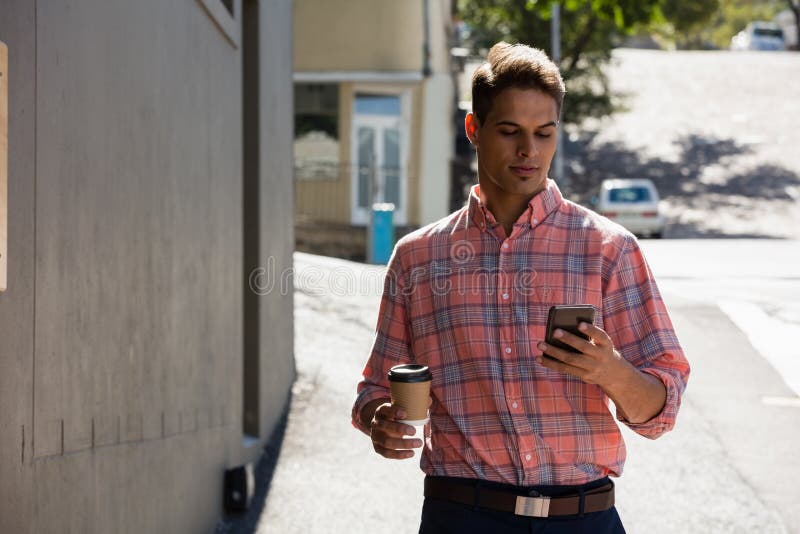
x,y
552,291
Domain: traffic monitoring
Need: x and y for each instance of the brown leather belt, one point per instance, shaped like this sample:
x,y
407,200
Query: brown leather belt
x,y
595,500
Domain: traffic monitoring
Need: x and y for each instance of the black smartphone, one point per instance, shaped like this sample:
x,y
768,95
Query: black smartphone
x,y
567,317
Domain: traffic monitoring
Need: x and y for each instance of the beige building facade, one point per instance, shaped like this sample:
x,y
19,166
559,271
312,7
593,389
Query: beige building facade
x,y
149,176
373,111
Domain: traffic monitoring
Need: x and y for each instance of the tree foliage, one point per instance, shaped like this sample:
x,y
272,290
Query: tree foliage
x,y
718,25
589,30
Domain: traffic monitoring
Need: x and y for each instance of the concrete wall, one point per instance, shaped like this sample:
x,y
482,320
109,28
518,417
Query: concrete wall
x,y
121,361
276,213
16,303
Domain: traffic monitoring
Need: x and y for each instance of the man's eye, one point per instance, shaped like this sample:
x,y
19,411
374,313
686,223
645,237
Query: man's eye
x,y
543,136
506,132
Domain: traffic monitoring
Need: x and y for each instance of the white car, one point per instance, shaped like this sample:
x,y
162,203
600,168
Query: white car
x,y
759,35
633,203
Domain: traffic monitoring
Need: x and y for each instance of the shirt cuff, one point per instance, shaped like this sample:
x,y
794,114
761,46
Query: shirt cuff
x,y
365,396
664,421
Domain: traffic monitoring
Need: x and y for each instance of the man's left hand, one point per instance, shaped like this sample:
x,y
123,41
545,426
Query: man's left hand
x,y
596,362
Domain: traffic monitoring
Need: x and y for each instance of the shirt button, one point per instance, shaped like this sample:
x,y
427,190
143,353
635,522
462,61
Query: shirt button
x,y
505,296
505,245
508,350
527,457
514,405
536,221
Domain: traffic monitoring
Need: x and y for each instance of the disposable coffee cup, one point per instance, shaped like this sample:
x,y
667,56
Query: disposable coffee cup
x,y
410,386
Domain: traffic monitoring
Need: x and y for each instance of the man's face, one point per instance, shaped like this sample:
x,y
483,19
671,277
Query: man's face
x,y
515,143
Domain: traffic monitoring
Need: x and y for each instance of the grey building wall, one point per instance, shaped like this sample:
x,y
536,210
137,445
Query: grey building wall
x,y
122,330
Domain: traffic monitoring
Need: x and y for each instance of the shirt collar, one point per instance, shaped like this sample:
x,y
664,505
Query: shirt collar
x,y
539,207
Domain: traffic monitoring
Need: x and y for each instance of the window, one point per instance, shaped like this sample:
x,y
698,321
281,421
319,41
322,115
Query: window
x,y
769,32
379,154
630,194
316,130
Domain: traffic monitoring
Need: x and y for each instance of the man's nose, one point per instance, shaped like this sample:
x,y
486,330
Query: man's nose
x,y
527,147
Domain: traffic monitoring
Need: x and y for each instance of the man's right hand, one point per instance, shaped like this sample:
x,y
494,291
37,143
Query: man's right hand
x,y
387,430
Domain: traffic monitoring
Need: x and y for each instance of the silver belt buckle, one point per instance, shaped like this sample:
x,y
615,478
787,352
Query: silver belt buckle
x,y
532,506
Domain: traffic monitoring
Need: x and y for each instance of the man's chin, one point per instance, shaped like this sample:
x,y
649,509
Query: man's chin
x,y
529,185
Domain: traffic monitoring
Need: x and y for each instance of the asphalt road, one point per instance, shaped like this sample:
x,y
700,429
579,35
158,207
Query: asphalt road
x,y
716,131
731,463
729,466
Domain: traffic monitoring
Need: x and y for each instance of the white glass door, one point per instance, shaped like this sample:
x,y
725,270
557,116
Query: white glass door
x,y
379,173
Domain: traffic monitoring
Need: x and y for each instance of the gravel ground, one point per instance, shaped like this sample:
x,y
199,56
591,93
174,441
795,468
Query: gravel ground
x,y
716,131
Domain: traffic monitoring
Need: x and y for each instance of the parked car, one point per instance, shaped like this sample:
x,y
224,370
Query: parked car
x,y
633,203
759,35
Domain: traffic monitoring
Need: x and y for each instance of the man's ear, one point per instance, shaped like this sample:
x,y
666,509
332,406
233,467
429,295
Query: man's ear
x,y
471,126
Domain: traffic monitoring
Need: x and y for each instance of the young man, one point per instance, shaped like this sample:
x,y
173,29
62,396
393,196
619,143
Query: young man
x,y
519,442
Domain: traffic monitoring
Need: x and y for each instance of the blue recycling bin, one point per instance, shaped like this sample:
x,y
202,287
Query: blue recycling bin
x,y
382,235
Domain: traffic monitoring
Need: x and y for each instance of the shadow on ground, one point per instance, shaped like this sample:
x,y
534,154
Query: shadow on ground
x,y
247,523
682,182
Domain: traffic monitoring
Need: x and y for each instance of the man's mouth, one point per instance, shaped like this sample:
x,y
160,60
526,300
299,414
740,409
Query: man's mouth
x,y
523,170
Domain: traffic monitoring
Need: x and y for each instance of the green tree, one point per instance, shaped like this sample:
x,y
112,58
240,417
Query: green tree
x,y
589,30
688,21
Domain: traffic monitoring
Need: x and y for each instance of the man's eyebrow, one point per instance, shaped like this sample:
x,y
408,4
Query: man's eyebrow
x,y
514,124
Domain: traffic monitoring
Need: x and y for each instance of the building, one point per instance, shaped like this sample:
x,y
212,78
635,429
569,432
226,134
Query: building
x,y
374,107
142,348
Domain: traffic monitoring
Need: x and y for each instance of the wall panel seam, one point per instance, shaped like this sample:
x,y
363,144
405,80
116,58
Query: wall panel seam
x,y
35,213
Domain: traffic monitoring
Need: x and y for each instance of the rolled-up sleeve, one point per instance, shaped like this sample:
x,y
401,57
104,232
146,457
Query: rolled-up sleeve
x,y
635,317
392,341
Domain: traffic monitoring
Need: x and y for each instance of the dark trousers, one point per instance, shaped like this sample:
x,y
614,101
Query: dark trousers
x,y
444,517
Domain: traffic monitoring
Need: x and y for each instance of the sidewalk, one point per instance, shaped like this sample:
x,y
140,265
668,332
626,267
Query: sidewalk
x,y
327,479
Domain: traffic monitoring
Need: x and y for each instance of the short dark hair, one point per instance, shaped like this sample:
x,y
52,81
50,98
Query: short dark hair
x,y
518,66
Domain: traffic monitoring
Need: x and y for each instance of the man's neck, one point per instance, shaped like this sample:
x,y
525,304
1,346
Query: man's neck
x,y
505,208
507,213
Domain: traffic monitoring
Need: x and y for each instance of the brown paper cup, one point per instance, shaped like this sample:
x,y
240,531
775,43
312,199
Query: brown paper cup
x,y
413,398
410,389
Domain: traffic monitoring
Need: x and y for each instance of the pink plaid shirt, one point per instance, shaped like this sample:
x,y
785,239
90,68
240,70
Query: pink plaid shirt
x,y
471,303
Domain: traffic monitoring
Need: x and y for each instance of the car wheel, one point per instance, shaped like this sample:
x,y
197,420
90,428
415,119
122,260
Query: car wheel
x,y
657,235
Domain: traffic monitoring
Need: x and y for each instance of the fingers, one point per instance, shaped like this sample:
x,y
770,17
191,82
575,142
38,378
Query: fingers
x,y
556,365
593,361
387,433
598,339
393,446
598,335
571,360
393,454
389,412
578,343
